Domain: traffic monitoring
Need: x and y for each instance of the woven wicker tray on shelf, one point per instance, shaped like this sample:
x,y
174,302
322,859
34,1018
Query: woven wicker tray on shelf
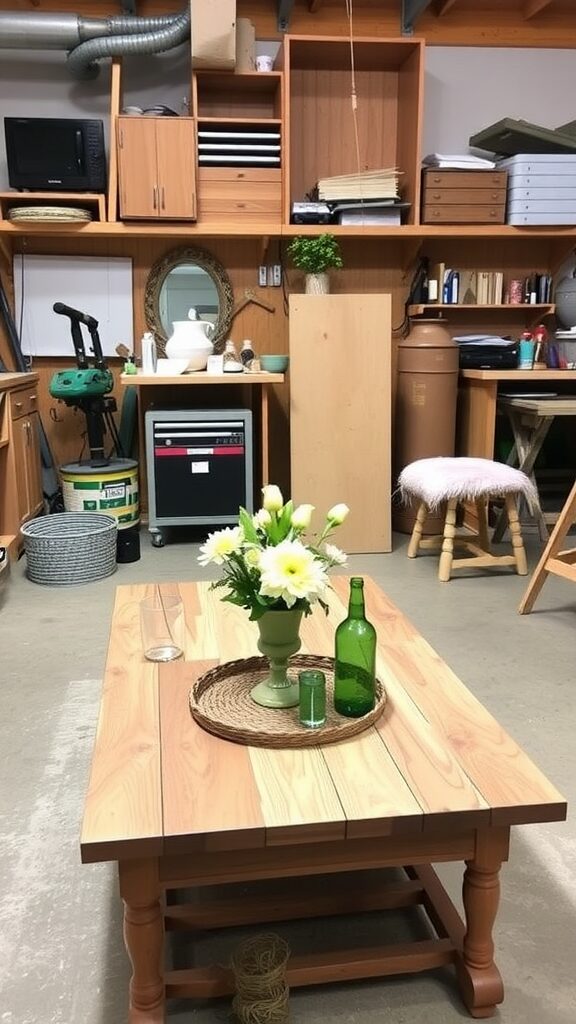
x,y
220,702
49,213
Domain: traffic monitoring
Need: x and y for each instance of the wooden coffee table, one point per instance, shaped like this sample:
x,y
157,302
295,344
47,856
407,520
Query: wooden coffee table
x,y
436,779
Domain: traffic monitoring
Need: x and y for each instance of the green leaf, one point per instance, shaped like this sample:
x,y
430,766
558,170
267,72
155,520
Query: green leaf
x,y
245,520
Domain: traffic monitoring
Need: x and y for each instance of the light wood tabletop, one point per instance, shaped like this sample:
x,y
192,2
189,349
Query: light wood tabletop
x,y
435,778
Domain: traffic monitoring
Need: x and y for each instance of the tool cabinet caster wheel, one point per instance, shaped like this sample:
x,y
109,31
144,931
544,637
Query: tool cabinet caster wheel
x,y
157,540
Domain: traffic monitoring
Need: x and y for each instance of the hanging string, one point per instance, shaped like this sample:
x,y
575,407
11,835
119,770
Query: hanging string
x,y
353,93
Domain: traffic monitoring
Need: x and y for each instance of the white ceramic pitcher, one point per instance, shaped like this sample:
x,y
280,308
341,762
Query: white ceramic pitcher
x,y
191,340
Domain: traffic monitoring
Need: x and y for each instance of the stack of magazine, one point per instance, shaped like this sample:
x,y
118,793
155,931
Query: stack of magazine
x,y
368,197
381,184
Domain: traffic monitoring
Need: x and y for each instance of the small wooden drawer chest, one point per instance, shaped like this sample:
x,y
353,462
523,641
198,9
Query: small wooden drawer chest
x,y
463,197
240,195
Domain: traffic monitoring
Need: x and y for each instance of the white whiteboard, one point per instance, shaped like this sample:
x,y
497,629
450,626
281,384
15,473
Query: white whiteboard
x,y
98,285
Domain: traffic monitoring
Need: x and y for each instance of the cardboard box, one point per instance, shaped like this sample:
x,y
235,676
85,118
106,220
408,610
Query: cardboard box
x,y
213,34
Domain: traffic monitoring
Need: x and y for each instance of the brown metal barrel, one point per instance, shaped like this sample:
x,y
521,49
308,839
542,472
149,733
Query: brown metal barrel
x,y
425,421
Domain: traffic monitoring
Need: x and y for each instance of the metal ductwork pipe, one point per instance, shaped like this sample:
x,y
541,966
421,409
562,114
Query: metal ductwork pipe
x,y
82,60
91,39
47,31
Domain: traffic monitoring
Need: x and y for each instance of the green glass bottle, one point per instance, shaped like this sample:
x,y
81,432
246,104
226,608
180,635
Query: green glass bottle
x,y
355,660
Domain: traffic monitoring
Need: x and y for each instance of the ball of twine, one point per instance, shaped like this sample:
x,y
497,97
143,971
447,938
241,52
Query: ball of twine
x,y
259,967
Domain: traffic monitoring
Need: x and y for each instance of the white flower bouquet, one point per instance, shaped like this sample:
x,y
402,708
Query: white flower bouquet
x,y
267,565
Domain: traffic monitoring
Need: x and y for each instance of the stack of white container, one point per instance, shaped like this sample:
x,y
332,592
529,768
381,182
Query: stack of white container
x,y
541,188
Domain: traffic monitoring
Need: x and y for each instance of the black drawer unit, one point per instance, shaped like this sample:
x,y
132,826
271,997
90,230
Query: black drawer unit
x,y
200,467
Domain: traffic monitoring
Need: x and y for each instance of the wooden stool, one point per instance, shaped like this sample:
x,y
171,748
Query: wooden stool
x,y
453,480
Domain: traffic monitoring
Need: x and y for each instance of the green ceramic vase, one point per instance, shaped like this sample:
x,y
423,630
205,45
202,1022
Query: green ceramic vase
x,y
279,639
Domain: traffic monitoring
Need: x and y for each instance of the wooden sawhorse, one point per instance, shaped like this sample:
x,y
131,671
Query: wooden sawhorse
x,y
531,419
554,560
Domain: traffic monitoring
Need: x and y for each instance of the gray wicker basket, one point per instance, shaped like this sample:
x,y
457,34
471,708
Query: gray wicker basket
x,y
70,548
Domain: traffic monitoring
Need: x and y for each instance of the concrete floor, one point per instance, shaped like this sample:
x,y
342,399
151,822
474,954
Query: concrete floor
x,y
61,953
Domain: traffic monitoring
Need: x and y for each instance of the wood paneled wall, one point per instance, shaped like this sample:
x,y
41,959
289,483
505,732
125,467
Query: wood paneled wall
x,y
371,265
452,23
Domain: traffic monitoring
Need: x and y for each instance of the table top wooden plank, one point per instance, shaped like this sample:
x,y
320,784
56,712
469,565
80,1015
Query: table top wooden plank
x,y
375,797
298,796
124,801
515,789
208,786
428,766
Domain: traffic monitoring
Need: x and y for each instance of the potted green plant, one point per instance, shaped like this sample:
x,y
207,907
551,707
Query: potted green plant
x,y
316,256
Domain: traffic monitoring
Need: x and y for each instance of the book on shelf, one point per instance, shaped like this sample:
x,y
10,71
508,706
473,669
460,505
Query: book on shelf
x,y
381,184
467,287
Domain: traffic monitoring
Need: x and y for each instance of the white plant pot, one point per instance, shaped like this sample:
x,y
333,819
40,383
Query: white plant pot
x,y
317,284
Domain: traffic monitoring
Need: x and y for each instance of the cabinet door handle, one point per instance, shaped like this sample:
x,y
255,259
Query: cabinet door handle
x,y
155,197
33,398
121,140
163,193
27,425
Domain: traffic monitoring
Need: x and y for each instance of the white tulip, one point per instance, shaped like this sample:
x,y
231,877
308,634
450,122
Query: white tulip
x,y
272,500
301,517
338,514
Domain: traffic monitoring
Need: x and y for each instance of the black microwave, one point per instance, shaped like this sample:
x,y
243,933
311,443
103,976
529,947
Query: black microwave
x,y
59,154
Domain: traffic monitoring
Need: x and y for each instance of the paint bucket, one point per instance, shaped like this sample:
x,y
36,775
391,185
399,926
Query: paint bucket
x,y
112,489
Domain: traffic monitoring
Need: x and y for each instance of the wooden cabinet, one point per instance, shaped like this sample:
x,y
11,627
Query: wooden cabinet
x,y
21,495
156,168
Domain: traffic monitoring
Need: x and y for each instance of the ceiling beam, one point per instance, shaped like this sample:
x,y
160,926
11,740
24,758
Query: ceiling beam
x,y
410,11
284,11
532,7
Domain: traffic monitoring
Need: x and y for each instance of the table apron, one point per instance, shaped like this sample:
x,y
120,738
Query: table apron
x,y
314,858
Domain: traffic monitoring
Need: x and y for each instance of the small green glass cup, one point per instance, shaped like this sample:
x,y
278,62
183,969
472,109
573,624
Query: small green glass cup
x,y
312,698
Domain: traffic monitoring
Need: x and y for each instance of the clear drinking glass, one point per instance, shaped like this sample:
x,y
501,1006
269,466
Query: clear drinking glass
x,y
162,627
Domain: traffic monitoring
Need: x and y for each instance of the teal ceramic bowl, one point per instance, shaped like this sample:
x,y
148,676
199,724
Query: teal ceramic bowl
x,y
274,364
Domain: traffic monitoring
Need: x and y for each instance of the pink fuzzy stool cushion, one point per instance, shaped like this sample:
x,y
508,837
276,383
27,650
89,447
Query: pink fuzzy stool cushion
x,y
436,480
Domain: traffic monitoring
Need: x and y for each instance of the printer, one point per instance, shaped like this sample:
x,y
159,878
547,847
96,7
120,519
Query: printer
x,y
486,352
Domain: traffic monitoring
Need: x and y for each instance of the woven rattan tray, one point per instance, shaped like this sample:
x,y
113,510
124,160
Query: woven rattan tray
x,y
220,702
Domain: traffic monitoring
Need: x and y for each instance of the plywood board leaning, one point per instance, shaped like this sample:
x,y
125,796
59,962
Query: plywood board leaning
x,y
340,368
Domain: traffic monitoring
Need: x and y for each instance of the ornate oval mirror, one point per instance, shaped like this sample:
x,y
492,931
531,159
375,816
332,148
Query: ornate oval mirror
x,y
183,278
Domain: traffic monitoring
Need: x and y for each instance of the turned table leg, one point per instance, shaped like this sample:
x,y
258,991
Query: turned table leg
x,y
479,979
144,939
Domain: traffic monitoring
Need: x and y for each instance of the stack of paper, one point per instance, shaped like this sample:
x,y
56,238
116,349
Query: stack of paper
x,y
382,184
464,161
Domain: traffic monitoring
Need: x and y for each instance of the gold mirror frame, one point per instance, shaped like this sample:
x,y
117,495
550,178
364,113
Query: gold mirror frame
x,y
157,276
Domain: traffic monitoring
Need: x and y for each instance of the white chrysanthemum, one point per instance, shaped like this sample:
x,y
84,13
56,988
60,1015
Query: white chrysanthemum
x,y
262,518
301,517
338,513
335,555
272,499
220,545
290,572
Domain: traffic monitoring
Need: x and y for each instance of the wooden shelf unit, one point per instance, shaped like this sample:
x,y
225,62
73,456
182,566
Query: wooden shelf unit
x,y
250,94
320,130
95,202
536,309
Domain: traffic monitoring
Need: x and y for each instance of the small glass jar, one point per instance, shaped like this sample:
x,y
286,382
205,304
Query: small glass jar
x,y
312,698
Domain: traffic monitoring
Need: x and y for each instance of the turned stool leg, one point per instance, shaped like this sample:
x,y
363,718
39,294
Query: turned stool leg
x,y
482,513
417,531
516,536
447,554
